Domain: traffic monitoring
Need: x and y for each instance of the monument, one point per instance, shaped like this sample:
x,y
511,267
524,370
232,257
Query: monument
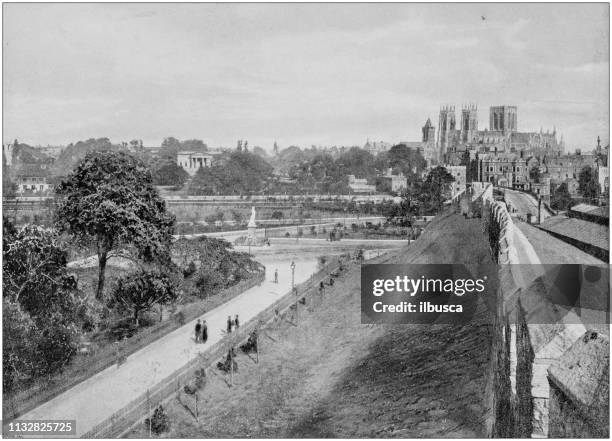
x,y
252,227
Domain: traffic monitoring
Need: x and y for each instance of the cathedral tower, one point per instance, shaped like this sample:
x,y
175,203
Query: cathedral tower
x,y
503,119
429,132
469,122
446,128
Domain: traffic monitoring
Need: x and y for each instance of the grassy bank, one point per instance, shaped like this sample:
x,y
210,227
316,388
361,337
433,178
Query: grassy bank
x,y
333,377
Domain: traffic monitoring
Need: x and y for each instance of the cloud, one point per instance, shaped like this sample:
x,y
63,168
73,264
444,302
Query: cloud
x,y
458,43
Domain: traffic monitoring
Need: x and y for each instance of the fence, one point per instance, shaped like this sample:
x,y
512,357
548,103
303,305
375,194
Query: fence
x,y
86,366
121,421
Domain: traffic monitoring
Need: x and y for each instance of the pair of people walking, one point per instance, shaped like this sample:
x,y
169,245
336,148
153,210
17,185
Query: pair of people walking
x,y
235,323
201,332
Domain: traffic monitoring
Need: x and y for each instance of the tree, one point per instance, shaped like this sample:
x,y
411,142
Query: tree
x,y
408,161
534,174
277,214
139,291
41,319
170,174
110,200
561,198
435,190
588,186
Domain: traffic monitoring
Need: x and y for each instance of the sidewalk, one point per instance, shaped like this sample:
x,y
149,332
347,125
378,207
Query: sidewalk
x,y
115,387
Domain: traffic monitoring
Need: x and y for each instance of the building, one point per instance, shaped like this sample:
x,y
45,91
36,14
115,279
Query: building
x,y
503,169
192,161
503,119
396,183
560,168
375,148
360,185
502,135
32,178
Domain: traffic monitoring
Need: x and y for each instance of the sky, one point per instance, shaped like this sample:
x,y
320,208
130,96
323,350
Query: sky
x,y
300,74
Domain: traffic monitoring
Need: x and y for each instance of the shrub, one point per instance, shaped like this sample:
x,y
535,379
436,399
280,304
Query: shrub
x,y
159,421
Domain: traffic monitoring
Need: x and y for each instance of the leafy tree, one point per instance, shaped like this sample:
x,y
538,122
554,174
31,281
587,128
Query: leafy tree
x,y
40,304
169,148
237,216
74,153
110,200
561,198
218,266
588,186
435,190
170,174
277,214
240,172
408,161
143,289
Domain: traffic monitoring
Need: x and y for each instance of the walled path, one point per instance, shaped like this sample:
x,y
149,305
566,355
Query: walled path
x,y
96,398
524,204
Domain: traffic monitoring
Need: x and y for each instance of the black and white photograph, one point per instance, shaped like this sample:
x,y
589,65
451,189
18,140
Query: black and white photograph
x,y
305,220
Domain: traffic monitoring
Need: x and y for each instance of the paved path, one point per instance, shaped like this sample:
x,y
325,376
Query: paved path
x,y
524,203
96,398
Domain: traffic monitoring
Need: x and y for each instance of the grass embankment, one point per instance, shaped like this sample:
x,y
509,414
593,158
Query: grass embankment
x,y
333,377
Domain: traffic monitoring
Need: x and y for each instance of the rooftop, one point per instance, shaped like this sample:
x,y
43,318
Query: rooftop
x,y
580,230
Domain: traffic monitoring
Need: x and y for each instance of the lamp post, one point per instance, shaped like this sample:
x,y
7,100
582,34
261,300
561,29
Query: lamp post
x,y
293,288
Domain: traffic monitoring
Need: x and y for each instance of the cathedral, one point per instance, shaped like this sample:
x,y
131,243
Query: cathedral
x,y
502,136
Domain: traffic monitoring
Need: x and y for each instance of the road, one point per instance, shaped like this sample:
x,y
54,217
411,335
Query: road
x,y
115,387
520,204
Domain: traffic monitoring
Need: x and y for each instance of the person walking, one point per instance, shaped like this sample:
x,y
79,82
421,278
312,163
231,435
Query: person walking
x,y
204,332
229,324
198,331
236,322
276,275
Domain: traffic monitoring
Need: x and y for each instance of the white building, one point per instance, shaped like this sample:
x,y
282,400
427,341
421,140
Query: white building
x,y
192,161
360,185
397,183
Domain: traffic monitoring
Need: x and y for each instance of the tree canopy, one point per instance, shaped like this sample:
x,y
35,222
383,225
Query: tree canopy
x,y
588,186
110,200
42,313
239,172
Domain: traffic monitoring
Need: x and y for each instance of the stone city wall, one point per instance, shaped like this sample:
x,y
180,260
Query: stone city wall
x,y
525,402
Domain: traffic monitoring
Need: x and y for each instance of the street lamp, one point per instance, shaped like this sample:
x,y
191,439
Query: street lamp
x,y
293,289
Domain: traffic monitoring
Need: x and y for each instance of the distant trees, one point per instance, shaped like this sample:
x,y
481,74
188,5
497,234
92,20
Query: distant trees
x,y
171,146
408,161
240,172
170,174
110,200
588,186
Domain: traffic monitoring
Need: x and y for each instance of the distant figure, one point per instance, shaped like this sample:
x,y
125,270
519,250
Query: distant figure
x,y
276,276
229,324
204,332
321,287
198,332
236,322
